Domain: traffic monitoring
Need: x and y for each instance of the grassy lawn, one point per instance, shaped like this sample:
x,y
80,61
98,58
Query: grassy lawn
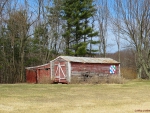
x,y
75,98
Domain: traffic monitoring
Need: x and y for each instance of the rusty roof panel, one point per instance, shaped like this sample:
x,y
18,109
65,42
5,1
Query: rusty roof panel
x,y
88,59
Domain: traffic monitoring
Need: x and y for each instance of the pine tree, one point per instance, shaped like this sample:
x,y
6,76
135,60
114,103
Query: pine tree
x,y
78,29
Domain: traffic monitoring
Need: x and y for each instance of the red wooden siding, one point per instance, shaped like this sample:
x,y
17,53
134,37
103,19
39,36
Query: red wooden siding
x,y
95,68
43,75
38,74
31,76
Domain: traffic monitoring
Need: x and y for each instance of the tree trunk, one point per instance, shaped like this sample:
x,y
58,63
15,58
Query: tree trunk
x,y
139,72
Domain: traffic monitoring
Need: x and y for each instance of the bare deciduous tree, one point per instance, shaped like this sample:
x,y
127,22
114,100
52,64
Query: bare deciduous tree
x,y
102,19
116,27
134,16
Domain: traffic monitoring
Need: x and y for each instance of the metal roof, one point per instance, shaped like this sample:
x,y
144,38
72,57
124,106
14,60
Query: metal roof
x,y
88,59
34,67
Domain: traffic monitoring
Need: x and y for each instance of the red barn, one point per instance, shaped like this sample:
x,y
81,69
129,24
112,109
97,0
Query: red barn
x,y
38,74
63,68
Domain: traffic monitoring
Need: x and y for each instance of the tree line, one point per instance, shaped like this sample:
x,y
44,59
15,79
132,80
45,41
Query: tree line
x,y
35,32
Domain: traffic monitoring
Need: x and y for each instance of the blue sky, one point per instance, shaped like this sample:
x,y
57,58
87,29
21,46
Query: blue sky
x,y
111,48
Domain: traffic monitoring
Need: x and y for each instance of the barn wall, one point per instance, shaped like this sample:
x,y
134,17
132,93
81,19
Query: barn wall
x,y
92,68
38,74
31,76
43,75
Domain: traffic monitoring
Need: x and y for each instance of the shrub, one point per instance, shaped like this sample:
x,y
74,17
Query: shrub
x,y
76,79
128,73
95,79
45,80
116,79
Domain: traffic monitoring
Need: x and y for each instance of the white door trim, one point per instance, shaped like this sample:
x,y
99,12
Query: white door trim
x,y
58,71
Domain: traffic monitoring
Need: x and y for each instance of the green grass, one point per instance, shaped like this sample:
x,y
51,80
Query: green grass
x,y
75,98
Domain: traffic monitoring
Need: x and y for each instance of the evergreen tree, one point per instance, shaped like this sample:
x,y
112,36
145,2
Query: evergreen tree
x,y
78,28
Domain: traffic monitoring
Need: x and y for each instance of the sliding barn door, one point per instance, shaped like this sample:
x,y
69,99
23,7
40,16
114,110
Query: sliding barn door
x,y
60,72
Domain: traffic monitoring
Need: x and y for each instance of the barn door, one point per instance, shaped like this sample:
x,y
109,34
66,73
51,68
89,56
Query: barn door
x,y
60,72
